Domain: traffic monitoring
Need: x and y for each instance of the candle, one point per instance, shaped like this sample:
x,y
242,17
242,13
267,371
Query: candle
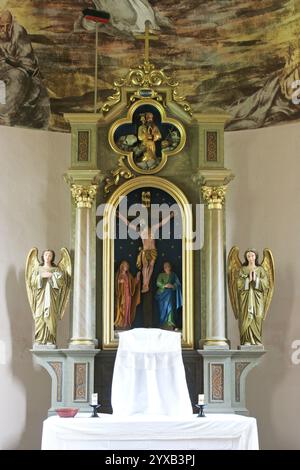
x,y
94,398
201,399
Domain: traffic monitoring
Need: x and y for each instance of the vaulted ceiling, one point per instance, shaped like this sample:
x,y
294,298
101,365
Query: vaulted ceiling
x,y
236,55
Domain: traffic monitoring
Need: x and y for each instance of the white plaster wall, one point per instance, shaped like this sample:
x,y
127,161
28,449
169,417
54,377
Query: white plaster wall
x,y
34,211
263,210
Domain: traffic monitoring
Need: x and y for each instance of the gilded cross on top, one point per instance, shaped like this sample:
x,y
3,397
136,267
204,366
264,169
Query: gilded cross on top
x,y
147,37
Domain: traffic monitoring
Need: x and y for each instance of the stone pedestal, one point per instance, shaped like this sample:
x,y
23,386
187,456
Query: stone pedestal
x,y
225,374
72,375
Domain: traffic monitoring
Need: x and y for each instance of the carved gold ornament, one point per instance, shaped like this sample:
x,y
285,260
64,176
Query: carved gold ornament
x,y
214,196
120,172
145,78
84,196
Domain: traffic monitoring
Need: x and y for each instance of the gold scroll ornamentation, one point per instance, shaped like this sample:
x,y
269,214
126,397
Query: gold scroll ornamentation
x,y
120,172
146,76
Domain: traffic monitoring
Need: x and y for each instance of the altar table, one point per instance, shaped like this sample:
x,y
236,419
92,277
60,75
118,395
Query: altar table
x,y
109,432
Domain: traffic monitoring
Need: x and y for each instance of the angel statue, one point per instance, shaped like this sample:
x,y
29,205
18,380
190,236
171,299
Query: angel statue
x,y
48,290
251,287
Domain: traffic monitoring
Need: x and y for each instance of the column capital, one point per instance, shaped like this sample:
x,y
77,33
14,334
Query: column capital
x,y
213,184
84,186
84,196
214,196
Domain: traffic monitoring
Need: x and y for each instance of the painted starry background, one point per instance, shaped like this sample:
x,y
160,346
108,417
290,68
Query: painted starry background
x,y
168,250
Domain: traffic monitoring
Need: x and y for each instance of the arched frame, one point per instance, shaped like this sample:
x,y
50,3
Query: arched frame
x,y
108,339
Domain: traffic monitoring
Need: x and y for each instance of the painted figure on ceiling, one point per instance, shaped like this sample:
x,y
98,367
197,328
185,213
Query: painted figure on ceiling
x,y
24,100
272,102
128,16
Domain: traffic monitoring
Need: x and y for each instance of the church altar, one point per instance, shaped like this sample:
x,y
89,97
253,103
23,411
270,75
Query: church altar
x,y
215,431
146,147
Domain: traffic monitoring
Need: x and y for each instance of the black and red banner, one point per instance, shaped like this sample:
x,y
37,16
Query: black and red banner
x,y
97,16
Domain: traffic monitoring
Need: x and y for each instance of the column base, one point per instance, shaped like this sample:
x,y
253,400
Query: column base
x,y
82,343
214,343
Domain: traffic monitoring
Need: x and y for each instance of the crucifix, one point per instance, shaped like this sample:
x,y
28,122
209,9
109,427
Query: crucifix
x,y
148,232
147,36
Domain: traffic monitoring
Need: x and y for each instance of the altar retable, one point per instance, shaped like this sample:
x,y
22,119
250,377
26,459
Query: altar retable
x,y
188,168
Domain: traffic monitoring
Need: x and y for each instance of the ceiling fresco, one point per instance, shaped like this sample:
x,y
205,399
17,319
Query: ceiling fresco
x,y
240,56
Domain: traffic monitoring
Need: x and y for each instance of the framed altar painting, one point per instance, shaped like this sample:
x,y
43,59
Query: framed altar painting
x,y
147,280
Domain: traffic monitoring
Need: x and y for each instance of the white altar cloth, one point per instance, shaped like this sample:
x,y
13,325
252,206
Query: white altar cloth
x,y
149,376
215,431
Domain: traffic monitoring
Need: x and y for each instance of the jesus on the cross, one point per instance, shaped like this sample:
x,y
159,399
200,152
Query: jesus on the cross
x,y
148,254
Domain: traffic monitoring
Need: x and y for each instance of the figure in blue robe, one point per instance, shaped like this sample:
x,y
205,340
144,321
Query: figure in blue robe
x,y
168,296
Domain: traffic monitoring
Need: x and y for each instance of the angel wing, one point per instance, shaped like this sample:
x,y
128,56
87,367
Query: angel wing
x,y
268,265
32,265
65,265
234,266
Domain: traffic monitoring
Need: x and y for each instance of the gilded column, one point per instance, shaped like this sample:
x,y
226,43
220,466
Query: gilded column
x,y
83,318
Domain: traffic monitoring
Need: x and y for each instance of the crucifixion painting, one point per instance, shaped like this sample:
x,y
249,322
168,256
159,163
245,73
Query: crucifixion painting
x,y
144,258
148,252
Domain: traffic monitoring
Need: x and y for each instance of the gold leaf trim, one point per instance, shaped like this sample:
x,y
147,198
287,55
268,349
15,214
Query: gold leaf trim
x,y
147,76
